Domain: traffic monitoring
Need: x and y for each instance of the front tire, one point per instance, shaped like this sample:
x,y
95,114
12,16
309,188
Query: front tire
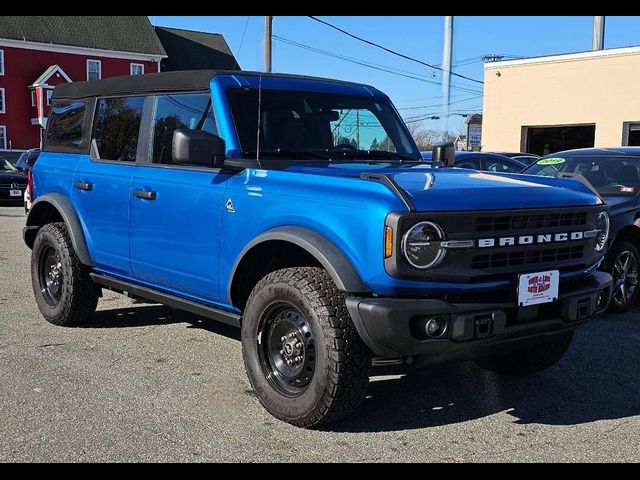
x,y
531,360
623,263
64,292
302,353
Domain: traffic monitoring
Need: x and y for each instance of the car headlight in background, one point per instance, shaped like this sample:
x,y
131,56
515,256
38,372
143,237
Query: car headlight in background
x,y
602,229
421,245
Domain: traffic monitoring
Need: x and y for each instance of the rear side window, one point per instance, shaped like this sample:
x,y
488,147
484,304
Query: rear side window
x,y
189,111
117,127
65,124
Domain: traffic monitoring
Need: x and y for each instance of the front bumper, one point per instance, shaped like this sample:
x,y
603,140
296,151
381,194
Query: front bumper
x,y
393,327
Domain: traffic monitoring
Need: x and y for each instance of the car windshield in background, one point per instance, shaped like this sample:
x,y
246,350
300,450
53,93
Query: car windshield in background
x,y
298,125
610,176
7,166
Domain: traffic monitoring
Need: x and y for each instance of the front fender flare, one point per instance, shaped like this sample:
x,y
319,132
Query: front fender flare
x,y
332,259
70,218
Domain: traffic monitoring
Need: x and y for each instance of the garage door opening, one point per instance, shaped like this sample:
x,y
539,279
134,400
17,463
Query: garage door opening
x,y
631,135
545,140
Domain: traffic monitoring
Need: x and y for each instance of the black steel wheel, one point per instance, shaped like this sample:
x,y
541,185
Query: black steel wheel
x,y
287,349
50,275
64,292
303,355
624,266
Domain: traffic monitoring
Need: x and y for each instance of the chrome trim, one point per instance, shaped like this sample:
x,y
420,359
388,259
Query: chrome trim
x,y
458,244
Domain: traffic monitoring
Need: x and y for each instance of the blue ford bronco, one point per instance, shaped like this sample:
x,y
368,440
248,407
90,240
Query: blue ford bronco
x,y
299,210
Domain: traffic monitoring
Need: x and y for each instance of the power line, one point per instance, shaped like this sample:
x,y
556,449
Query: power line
x,y
393,52
244,32
413,76
441,105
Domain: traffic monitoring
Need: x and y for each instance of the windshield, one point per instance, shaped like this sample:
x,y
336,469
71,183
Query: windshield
x,y
610,176
319,126
7,166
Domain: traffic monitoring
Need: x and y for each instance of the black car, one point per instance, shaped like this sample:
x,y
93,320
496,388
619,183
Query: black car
x,y
528,158
486,162
11,156
615,174
12,183
27,160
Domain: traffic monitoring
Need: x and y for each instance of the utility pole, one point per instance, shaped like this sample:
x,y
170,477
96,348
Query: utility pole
x,y
598,33
268,37
447,57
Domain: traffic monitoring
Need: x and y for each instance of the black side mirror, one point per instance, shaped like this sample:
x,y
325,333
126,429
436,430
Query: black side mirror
x,y
445,154
198,148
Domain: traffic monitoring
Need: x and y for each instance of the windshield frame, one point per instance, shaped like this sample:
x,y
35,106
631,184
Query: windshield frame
x,y
315,155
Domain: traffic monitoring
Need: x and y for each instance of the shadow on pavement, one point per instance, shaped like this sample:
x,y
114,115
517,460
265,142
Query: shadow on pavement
x,y
599,379
150,315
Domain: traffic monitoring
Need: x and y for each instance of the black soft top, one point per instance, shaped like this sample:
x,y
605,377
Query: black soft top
x,y
181,81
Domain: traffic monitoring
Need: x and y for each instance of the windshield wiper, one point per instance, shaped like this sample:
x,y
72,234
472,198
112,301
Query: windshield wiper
x,y
376,154
283,153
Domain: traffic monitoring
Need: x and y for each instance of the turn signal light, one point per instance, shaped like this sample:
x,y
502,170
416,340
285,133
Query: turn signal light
x,y
388,242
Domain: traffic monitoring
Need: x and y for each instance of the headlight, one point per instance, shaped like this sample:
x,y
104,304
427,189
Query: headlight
x,y
421,245
602,229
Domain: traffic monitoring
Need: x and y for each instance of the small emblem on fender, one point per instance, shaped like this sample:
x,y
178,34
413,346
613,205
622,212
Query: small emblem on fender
x,y
229,206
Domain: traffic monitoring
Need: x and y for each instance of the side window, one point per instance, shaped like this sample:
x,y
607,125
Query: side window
x,y
470,163
1,62
116,128
64,128
190,111
499,166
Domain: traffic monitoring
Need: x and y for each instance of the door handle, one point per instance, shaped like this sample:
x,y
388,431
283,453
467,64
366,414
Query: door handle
x,y
85,186
144,195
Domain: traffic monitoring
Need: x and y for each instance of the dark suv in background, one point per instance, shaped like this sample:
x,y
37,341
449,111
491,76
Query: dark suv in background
x,y
615,174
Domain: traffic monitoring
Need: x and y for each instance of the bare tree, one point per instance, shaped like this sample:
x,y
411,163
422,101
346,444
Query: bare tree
x,y
424,138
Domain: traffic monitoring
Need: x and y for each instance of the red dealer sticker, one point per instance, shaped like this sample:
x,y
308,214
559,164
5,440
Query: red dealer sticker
x,y
627,190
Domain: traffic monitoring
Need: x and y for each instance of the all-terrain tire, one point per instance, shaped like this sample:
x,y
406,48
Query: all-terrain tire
x,y
529,360
77,296
342,360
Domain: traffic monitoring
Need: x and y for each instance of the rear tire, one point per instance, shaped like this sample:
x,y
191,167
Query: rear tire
x,y
530,360
302,353
64,292
623,263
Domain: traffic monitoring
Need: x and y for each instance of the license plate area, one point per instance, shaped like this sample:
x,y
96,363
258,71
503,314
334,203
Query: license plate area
x,y
538,288
15,193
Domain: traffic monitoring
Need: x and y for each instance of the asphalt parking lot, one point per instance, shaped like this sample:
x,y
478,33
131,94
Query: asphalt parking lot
x,y
146,383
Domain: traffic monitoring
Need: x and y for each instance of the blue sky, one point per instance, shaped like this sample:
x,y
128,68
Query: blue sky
x,y
419,37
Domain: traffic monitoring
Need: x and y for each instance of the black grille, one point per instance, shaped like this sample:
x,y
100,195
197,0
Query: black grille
x,y
527,257
529,222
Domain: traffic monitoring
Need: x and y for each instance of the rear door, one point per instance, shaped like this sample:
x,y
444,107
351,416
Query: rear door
x,y
175,209
102,182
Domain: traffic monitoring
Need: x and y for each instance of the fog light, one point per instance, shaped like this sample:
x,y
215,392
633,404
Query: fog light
x,y
435,327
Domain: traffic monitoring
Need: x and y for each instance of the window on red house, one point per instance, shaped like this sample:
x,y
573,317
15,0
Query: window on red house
x,y
137,69
2,101
1,62
3,137
49,96
94,70
33,98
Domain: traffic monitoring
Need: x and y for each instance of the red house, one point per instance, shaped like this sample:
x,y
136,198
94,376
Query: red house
x,y
39,52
